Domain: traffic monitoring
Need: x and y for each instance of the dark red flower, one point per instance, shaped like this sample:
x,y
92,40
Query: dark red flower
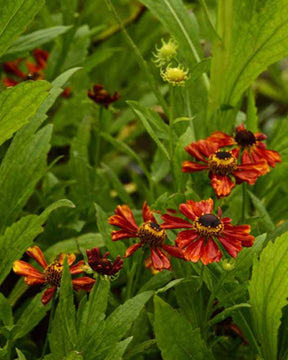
x,y
206,232
222,166
103,265
52,273
101,96
250,144
149,233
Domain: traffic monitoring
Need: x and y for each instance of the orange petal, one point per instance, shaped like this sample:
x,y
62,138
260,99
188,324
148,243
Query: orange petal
x,y
147,213
83,283
77,268
31,281
48,294
36,253
222,185
25,269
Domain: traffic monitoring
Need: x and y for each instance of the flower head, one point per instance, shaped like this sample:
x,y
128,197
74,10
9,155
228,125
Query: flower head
x,y
166,52
52,273
175,75
101,96
103,265
149,233
206,232
222,166
250,144
34,69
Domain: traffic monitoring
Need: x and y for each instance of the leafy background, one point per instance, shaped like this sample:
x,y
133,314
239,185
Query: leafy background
x,y
56,193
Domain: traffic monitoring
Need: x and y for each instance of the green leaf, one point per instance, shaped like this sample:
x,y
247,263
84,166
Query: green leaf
x,y
6,315
226,313
63,337
160,166
265,219
37,38
174,334
25,163
252,118
118,350
268,291
15,16
149,117
31,316
21,356
118,323
17,238
18,104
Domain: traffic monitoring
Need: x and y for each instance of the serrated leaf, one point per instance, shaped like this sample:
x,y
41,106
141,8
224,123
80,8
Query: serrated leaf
x,y
268,291
18,104
17,238
15,16
37,38
63,337
174,334
118,350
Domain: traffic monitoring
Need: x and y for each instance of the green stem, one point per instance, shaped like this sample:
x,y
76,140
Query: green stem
x,y
98,137
130,280
51,317
244,199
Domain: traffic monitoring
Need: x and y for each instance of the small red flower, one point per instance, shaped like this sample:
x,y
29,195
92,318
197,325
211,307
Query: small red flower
x,y
52,273
34,69
101,96
251,144
149,233
103,265
222,166
206,232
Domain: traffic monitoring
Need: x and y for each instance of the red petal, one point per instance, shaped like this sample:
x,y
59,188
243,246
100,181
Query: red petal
x,y
31,281
77,268
9,82
122,234
184,238
147,213
210,253
83,283
25,269
190,166
222,185
194,209
201,149
173,251
124,219
36,253
232,246
132,249
159,260
221,139
48,294
194,251
174,222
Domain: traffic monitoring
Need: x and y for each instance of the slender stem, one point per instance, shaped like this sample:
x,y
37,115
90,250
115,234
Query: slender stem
x,y
98,136
244,197
51,317
130,280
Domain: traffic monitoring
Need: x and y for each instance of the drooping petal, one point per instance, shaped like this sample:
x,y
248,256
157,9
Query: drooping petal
x,y
201,149
185,237
130,251
31,280
122,234
36,253
174,222
271,156
25,269
232,246
222,185
83,283
173,251
124,219
159,260
250,172
48,294
210,252
194,251
190,166
77,268
221,139
147,213
12,67
9,82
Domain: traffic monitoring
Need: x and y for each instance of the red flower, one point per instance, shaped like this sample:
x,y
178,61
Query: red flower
x,y
251,144
103,265
52,273
149,233
206,232
222,166
101,96
34,69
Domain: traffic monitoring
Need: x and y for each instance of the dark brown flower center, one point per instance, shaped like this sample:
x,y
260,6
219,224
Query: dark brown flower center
x,y
53,274
208,225
32,76
222,163
151,233
245,138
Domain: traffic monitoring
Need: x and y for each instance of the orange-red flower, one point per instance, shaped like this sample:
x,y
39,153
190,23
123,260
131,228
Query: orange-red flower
x,y
149,233
103,265
34,69
222,166
52,273
250,144
206,232
101,96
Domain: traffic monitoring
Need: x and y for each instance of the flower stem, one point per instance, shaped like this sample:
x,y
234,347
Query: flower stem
x,y
243,201
98,137
130,280
51,317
